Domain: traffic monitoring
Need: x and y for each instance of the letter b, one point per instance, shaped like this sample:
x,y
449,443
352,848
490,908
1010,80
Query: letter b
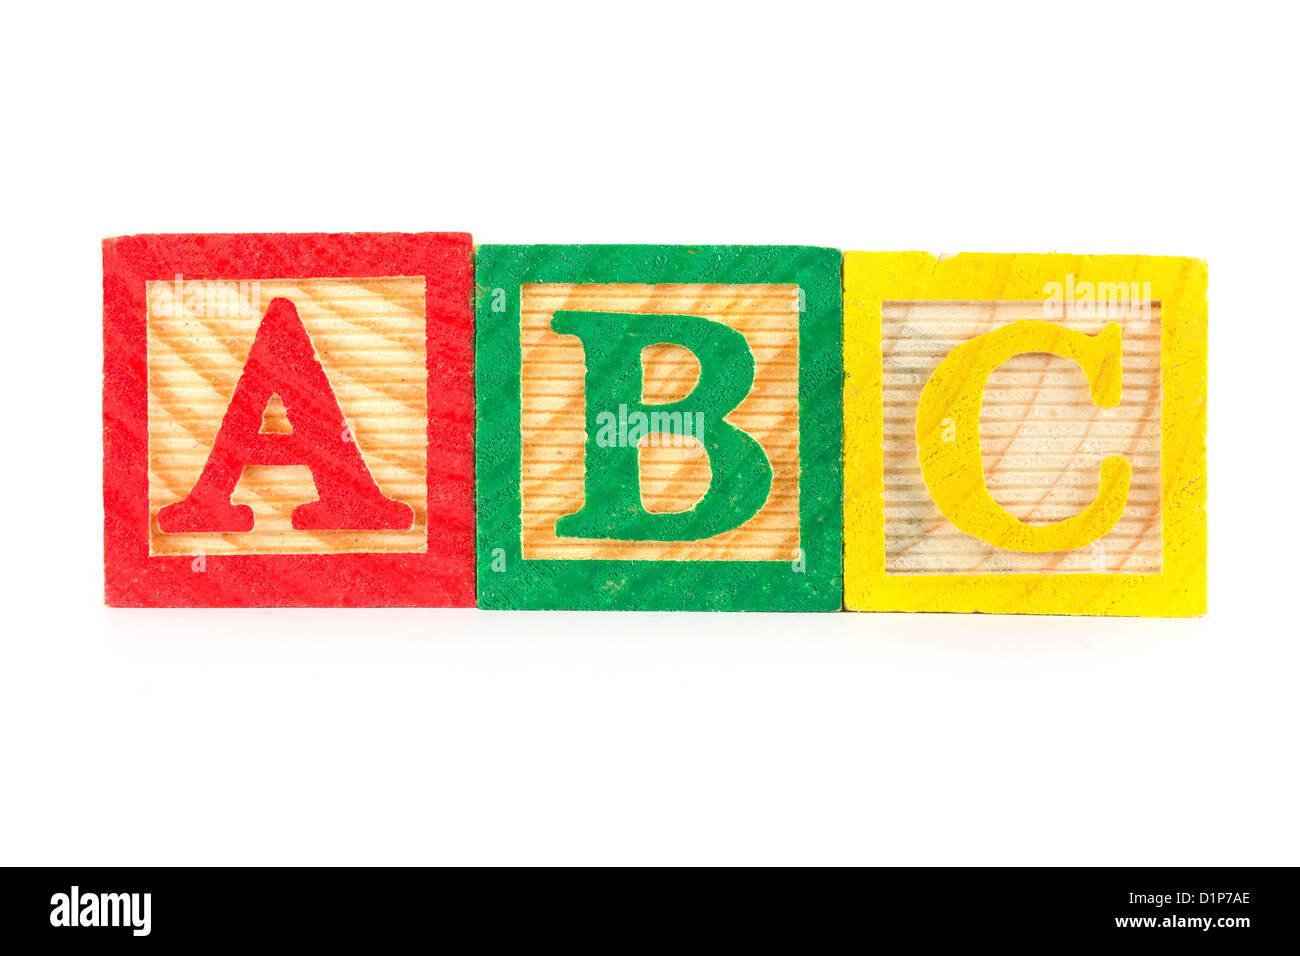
x,y
741,477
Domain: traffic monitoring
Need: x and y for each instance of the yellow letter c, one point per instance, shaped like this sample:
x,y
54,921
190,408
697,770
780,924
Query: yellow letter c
x,y
951,461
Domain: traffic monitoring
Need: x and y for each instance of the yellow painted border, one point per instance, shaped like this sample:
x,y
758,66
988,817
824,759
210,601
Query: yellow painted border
x,y
872,278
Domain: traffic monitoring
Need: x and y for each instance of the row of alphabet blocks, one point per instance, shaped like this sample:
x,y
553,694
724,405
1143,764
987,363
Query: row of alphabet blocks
x,y
405,419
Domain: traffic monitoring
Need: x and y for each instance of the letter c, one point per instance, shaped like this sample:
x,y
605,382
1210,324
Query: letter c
x,y
954,470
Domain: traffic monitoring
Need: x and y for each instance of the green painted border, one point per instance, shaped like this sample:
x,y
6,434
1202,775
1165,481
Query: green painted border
x,y
659,585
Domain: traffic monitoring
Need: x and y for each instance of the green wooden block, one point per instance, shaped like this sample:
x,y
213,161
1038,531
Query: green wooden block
x,y
659,428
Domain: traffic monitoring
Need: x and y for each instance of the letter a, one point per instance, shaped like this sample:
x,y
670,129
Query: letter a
x,y
283,362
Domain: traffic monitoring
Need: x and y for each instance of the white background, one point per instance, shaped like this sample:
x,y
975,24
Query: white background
x,y
131,737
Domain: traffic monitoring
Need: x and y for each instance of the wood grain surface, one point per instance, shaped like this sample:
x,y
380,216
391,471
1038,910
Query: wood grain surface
x,y
672,478
369,335
1043,440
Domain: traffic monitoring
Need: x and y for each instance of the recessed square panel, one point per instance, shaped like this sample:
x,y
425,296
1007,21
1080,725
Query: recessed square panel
x,y
1042,438
674,476
369,337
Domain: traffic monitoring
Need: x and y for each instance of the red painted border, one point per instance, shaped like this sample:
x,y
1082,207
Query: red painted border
x,y
442,577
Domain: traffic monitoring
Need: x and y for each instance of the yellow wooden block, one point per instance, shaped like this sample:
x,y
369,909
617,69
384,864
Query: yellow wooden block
x,y
1025,433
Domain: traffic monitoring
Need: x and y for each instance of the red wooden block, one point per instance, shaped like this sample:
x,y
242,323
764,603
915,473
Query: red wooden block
x,y
288,420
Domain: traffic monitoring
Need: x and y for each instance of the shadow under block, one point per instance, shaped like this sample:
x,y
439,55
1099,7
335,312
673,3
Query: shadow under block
x,y
659,427
288,420
1025,434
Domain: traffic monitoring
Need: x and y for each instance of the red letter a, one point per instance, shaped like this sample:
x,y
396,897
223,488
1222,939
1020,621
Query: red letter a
x,y
282,362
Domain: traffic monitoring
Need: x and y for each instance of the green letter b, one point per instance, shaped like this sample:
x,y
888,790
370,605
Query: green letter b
x,y
741,474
